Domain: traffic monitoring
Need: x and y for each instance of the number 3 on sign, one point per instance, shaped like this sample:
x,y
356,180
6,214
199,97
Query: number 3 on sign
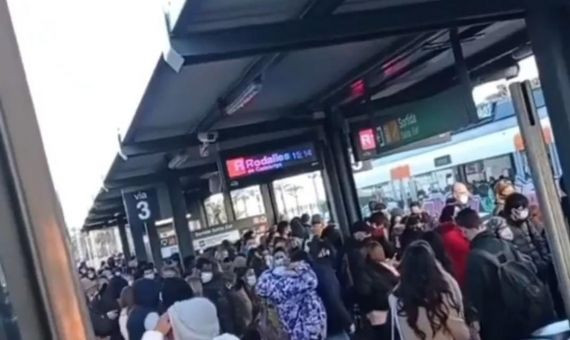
x,y
144,211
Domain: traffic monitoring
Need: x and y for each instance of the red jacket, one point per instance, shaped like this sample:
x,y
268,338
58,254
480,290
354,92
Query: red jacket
x,y
457,248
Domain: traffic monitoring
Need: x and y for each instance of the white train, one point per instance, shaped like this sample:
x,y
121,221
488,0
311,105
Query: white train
x,y
477,156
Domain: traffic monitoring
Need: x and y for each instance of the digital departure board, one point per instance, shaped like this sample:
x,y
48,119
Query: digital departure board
x,y
263,164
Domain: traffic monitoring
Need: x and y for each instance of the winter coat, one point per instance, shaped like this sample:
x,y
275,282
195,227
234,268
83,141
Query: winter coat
x,y
144,314
457,248
483,293
242,308
373,286
528,241
293,292
218,293
329,290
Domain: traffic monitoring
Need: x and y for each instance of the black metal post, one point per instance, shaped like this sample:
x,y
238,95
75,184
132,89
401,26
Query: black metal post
x,y
121,225
463,75
333,187
338,141
549,28
228,204
268,203
179,212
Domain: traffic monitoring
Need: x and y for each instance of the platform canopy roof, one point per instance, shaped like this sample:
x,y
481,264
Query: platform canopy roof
x,y
297,59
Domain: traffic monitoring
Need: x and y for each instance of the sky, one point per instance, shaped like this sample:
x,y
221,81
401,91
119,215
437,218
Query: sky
x,y
87,63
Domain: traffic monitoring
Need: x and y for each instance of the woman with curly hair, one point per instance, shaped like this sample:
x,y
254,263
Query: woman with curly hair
x,y
427,304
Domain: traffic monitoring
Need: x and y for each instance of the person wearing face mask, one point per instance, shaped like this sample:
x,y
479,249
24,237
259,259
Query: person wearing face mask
x,y
526,235
215,289
461,195
500,295
292,290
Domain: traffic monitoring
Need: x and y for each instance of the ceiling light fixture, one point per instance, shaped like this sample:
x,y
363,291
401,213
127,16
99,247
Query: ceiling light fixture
x,y
245,97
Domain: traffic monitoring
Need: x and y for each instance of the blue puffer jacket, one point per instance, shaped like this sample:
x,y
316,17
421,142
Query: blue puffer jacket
x,y
293,292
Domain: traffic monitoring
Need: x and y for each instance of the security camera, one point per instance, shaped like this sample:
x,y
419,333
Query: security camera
x,y
208,137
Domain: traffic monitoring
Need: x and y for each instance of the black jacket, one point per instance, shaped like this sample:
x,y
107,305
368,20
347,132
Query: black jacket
x,y
528,241
373,286
483,290
218,293
329,290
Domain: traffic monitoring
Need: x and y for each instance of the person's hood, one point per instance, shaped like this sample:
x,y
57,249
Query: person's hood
x,y
146,293
117,284
174,289
194,319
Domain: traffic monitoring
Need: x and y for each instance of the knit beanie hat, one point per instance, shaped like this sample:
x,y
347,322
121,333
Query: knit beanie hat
x,y
194,319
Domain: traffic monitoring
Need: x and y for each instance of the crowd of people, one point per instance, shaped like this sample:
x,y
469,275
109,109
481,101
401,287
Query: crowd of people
x,y
396,274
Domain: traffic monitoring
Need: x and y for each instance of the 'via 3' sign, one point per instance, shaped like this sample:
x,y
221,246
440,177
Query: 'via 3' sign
x,y
141,206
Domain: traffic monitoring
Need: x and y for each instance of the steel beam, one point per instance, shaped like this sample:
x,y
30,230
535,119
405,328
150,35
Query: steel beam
x,y
339,29
174,143
315,9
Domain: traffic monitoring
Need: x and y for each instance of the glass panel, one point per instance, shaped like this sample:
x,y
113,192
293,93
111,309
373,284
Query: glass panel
x,y
215,209
247,202
301,194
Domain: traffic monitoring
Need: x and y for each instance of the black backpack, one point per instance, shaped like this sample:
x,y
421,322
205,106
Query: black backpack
x,y
526,298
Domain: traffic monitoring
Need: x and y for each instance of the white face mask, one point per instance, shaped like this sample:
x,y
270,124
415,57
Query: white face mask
x,y
520,215
251,280
463,198
206,277
149,276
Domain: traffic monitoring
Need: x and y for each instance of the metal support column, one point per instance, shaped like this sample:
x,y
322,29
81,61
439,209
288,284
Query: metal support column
x,y
333,186
121,225
179,212
463,75
556,229
549,28
337,137
230,213
269,204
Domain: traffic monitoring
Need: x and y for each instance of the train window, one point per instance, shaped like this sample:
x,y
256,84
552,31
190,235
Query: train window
x,y
247,202
216,209
301,194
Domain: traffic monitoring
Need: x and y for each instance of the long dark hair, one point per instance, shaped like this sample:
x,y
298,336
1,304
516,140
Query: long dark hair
x,y
436,243
422,284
